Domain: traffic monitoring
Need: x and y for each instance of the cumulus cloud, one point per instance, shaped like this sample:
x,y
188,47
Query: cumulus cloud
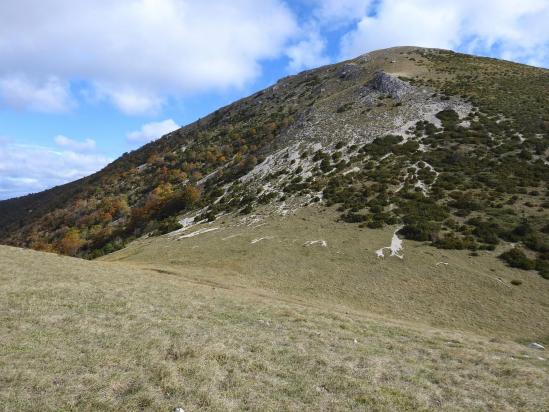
x,y
29,168
137,52
152,131
510,29
74,145
133,102
340,11
307,53
20,92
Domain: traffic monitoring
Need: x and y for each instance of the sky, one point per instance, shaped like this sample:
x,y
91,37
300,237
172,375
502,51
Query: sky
x,y
82,82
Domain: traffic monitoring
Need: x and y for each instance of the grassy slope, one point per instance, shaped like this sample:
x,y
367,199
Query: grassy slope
x,y
469,294
79,335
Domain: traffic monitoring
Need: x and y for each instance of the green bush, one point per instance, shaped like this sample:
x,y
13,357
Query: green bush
x,y
542,266
353,218
454,242
420,230
167,225
247,210
382,145
448,117
484,231
516,258
419,207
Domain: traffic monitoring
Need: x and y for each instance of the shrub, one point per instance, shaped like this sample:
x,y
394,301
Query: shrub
x,y
247,210
422,208
344,107
516,258
209,215
266,198
454,242
542,265
464,202
353,218
382,145
168,225
448,117
420,230
375,224
325,165
484,231
522,230
406,148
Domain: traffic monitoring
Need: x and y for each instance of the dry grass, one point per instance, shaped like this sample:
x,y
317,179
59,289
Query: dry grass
x,y
468,294
78,335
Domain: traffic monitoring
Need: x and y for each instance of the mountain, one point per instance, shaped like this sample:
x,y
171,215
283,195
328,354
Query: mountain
x,y
451,148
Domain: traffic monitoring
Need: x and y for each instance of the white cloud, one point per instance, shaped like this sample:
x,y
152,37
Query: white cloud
x,y
28,168
308,53
138,52
134,102
71,144
511,29
152,131
310,48
340,11
20,92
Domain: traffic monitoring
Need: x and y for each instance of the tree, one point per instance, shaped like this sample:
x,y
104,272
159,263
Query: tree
x,y
191,195
71,242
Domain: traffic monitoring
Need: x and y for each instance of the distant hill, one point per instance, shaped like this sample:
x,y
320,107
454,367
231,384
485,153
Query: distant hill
x,y
452,148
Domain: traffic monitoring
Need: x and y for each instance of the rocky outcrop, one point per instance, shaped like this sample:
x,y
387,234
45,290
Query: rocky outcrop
x,y
389,84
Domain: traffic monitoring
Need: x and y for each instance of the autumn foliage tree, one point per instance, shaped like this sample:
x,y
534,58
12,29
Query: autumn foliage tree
x,y
71,242
191,195
163,202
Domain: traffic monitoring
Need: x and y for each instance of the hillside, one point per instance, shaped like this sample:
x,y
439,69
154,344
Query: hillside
x,y
310,256
80,335
450,147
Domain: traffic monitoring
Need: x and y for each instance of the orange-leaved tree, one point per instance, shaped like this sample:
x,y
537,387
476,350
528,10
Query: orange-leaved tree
x,y
71,242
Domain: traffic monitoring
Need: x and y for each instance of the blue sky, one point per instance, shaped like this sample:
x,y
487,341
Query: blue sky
x,y
83,82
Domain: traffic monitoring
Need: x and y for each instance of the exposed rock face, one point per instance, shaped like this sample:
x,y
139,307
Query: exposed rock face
x,y
389,84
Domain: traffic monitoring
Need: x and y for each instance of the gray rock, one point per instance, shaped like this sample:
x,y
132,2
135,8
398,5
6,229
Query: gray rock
x,y
535,345
389,84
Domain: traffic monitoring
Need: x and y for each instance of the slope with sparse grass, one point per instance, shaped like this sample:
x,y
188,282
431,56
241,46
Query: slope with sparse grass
x,y
309,255
79,335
